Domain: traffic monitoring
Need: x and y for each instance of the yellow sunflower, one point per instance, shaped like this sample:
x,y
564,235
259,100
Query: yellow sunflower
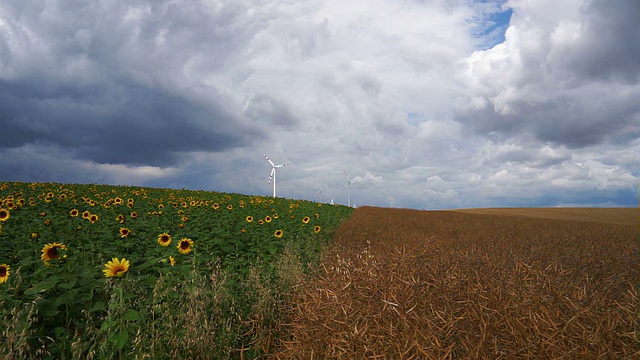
x,y
4,273
184,246
93,218
124,232
74,212
278,233
215,206
116,267
4,214
305,219
51,252
164,239
86,214
316,229
249,218
267,218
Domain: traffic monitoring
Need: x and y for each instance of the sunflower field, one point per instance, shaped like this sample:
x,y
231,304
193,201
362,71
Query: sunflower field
x,y
100,271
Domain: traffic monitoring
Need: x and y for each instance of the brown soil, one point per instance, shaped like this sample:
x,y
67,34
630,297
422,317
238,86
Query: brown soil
x,y
407,284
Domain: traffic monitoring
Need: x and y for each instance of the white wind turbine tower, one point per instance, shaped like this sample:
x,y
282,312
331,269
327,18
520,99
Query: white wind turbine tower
x,y
272,176
321,192
348,187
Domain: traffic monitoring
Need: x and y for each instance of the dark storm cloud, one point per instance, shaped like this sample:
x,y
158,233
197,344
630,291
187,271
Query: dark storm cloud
x,y
574,120
127,124
109,84
191,93
609,44
265,108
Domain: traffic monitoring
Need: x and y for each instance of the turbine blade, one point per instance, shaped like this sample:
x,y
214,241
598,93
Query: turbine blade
x,y
269,160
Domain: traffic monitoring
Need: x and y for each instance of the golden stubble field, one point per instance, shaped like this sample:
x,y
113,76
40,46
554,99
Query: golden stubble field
x,y
493,284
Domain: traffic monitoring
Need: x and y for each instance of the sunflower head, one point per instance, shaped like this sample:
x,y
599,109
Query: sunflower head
x,y
305,219
249,218
53,252
4,273
164,239
4,214
116,267
74,212
316,229
184,246
124,232
267,218
278,233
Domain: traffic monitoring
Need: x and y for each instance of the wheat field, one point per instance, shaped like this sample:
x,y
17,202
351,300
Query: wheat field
x,y
473,284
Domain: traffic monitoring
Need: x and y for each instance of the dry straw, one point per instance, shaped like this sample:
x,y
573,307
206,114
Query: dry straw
x,y
403,284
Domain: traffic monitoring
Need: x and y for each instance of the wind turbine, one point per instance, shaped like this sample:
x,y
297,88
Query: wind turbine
x,y
348,187
321,191
272,176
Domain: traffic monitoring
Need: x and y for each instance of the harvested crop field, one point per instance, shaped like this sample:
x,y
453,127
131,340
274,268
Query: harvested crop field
x,y
407,284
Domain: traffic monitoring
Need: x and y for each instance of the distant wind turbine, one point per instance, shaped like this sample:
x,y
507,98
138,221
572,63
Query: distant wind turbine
x,y
321,192
348,187
272,176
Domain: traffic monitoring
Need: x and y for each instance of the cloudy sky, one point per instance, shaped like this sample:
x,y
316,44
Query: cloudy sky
x,y
425,104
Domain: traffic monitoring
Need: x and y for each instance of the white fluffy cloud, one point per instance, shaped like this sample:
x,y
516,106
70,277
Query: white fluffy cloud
x,y
411,98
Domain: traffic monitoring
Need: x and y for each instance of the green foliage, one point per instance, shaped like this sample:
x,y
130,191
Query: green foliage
x,y
55,240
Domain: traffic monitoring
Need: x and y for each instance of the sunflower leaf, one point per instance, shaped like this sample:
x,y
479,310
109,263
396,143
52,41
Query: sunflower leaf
x,y
121,339
130,314
68,285
98,306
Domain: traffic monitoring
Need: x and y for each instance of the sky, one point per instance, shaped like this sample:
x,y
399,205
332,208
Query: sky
x,y
425,104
